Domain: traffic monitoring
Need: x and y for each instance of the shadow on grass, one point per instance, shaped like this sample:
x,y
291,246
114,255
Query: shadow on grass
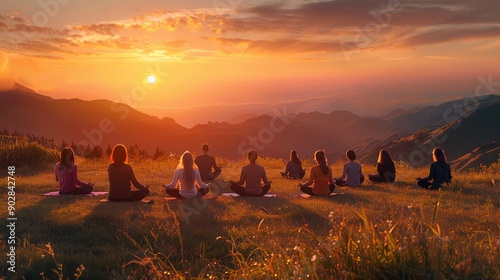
x,y
34,170
37,225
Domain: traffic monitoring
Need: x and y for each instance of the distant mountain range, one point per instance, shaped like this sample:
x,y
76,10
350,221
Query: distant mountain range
x,y
467,129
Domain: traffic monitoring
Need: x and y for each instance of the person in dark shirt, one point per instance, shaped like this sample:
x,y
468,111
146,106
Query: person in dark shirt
x,y
121,177
205,165
386,172
439,173
293,169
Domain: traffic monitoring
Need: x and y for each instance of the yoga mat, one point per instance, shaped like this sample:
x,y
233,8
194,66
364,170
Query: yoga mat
x,y
203,197
305,195
235,194
56,193
144,201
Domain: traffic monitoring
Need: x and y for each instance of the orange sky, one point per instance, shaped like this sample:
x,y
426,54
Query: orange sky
x,y
211,55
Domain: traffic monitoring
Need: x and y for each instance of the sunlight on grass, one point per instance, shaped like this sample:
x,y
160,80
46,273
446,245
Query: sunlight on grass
x,y
375,231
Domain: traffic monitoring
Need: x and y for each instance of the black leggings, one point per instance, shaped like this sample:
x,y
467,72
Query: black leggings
x,y
136,196
242,192
378,179
428,185
309,190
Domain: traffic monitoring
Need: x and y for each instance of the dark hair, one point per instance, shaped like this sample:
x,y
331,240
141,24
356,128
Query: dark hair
x,y
67,157
320,158
438,155
252,155
385,159
187,164
350,154
119,154
204,147
294,157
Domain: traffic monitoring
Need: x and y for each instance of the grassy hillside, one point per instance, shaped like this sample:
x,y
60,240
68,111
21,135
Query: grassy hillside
x,y
375,231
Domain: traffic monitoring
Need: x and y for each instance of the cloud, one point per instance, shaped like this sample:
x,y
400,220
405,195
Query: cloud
x,y
6,79
446,35
275,27
25,28
41,47
104,29
3,26
278,46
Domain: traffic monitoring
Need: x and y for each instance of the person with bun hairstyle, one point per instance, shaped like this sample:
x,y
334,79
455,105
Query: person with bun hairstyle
x,y
320,177
352,170
189,177
386,172
66,173
122,177
439,173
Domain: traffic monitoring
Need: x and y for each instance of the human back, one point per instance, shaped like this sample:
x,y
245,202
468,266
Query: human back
x,y
66,172
321,180
205,163
320,177
188,176
253,174
121,178
440,173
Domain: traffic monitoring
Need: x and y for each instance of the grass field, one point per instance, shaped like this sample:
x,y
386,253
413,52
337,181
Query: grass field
x,y
376,231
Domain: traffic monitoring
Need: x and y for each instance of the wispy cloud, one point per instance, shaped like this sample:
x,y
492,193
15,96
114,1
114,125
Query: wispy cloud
x,y
281,27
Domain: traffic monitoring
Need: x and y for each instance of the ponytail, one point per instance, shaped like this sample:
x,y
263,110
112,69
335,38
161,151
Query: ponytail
x,y
320,158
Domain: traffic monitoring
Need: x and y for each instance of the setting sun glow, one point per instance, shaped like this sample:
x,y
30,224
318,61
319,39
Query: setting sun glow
x,y
227,58
151,79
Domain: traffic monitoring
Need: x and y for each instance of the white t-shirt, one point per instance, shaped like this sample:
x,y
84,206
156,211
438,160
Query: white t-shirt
x,y
185,190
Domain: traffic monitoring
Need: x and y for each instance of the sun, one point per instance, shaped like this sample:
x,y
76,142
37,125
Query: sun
x,y
151,79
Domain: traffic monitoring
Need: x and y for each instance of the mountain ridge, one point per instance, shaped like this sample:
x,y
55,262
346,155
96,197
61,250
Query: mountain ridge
x,y
103,122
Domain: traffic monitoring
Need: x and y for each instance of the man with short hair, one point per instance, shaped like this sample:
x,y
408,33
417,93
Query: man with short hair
x,y
206,163
252,175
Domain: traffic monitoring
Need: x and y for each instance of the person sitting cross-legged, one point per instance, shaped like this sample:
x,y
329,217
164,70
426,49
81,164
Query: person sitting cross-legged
x,y
252,175
320,177
206,163
189,177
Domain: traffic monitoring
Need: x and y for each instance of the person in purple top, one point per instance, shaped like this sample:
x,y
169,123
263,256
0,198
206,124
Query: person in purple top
x,y
66,173
352,170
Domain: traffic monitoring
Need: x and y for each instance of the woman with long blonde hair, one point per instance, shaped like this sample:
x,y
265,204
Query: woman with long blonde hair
x,y
188,176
